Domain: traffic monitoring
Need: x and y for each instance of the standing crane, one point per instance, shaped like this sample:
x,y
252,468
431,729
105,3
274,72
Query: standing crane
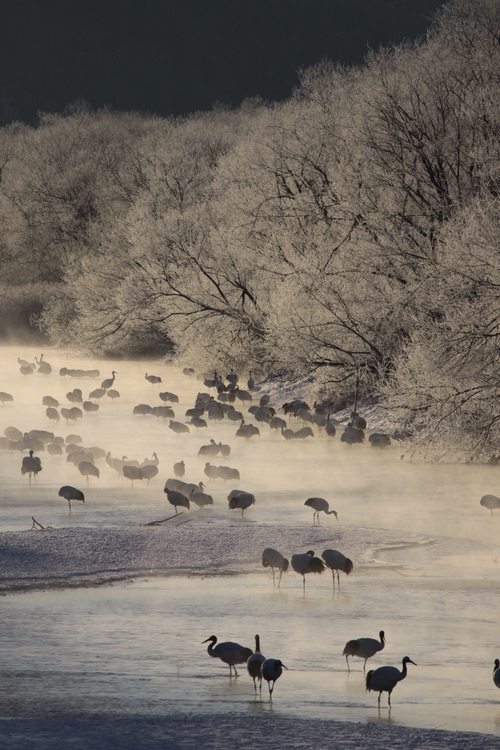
x,y
240,500
363,648
176,499
271,558
87,469
307,563
254,664
272,669
319,504
490,501
228,652
180,469
385,679
31,466
71,493
336,561
108,383
134,473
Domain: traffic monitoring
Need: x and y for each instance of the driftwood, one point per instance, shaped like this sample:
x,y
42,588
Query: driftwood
x,y
157,523
37,525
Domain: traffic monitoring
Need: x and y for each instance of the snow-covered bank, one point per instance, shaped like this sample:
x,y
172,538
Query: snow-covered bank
x,y
220,731
380,416
72,557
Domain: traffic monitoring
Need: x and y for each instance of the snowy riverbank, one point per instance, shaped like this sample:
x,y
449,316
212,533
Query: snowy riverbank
x,y
221,731
72,557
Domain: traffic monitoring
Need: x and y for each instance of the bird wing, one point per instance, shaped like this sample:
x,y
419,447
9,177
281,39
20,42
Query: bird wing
x,y
369,646
351,648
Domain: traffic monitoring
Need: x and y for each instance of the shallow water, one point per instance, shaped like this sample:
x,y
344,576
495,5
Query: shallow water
x,y
129,650
133,649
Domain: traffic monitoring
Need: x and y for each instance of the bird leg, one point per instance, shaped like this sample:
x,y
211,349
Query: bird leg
x,y
389,699
347,660
273,578
279,581
364,665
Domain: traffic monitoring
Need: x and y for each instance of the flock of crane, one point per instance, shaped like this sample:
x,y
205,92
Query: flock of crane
x,y
381,680
181,494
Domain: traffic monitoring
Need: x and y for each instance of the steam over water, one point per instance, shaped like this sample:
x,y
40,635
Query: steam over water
x,y
425,557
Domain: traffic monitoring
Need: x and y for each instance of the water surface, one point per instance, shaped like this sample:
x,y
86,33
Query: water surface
x,y
136,649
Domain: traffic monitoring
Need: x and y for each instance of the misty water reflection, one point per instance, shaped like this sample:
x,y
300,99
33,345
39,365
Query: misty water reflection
x,y
136,649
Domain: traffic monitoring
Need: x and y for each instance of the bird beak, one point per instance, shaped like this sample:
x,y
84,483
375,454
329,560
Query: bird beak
x,y
208,639
412,662
283,666
336,516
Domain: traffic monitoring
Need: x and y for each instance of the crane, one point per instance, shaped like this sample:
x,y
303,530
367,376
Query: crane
x,y
272,669
330,428
179,469
108,383
149,471
134,473
307,563
200,498
97,393
254,664
239,499
364,648
336,561
178,427
71,493
87,469
271,558
176,499
385,679
44,368
496,673
319,504
31,466
228,652
52,414
490,501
